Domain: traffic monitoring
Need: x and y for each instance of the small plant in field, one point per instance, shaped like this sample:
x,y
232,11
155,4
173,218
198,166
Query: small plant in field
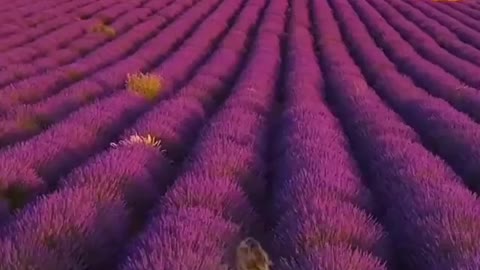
x,y
104,29
147,85
74,75
30,124
87,96
251,256
134,139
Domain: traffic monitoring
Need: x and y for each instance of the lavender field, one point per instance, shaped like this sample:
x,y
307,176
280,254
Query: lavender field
x,y
239,135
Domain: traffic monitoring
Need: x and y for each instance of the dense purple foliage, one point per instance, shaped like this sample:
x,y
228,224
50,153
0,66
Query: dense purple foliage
x,y
322,207
43,85
81,133
425,74
224,173
124,18
442,127
309,134
426,207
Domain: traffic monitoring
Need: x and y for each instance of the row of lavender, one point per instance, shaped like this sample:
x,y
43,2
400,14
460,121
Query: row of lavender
x,y
424,74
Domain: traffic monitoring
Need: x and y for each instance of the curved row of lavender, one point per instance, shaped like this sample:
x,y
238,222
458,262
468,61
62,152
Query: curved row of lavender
x,y
428,48
322,210
423,73
469,7
459,16
430,216
440,34
461,30
449,133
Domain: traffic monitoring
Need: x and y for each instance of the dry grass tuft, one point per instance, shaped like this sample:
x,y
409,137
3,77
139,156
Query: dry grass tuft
x,y
104,29
251,256
147,85
74,75
30,124
137,139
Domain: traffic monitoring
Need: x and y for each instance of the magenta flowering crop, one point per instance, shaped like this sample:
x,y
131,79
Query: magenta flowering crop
x,y
239,135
